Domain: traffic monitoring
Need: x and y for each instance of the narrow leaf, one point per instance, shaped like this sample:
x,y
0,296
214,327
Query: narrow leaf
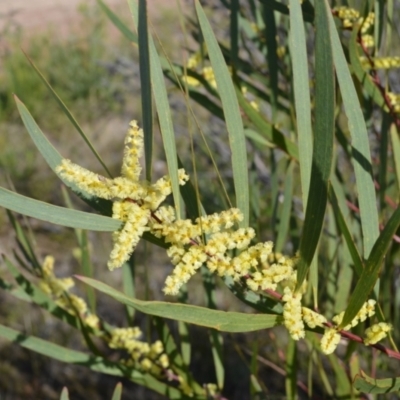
x,y
69,115
220,320
265,128
233,119
366,384
323,143
163,110
55,214
372,269
64,394
118,23
359,138
298,51
117,394
145,86
53,158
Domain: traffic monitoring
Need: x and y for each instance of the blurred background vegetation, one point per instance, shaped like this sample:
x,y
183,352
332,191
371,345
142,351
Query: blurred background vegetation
x,y
96,73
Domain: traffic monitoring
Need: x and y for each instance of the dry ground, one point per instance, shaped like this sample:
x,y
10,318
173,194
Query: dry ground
x,y
37,14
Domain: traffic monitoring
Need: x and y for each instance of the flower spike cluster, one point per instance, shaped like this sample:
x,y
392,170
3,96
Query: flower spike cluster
x,y
214,241
133,200
58,289
146,357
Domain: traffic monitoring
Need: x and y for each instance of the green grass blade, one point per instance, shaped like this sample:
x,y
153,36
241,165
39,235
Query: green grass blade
x,y
301,87
55,214
366,384
370,274
163,110
233,119
323,143
145,86
117,394
69,115
118,23
64,394
219,320
359,138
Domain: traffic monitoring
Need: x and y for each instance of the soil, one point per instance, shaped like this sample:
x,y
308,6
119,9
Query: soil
x,y
37,15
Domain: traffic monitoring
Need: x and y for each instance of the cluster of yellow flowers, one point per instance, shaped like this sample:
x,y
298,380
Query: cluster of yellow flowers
x,y
394,99
133,200
214,240
374,334
208,74
148,358
350,17
59,288
381,62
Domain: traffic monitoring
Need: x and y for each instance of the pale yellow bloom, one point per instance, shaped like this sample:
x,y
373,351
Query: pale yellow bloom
x,y
381,62
368,40
292,314
312,318
377,332
366,311
58,289
134,200
330,340
128,237
367,22
394,101
132,152
346,12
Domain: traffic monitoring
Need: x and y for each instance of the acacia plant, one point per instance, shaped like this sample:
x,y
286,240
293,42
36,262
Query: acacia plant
x,y
297,92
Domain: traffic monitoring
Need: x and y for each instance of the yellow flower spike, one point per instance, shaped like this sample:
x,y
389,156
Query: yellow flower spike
x,y
377,332
330,340
188,265
164,361
347,13
381,62
368,40
134,200
312,318
129,236
48,265
366,311
292,314
132,152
